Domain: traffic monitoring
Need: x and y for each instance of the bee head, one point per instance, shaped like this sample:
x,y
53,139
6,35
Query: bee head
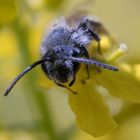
x,y
60,65
59,68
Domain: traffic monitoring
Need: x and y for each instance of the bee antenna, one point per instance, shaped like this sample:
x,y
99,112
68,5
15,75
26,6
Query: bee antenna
x,y
93,62
22,74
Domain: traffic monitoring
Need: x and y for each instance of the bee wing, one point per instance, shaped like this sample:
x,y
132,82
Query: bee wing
x,y
83,11
76,17
97,26
100,29
78,12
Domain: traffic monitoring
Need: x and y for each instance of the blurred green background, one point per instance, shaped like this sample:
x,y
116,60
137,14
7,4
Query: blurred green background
x,y
32,111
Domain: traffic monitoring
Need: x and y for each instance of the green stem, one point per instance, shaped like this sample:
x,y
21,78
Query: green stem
x,y
41,101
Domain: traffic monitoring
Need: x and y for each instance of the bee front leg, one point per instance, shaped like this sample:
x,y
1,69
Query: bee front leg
x,y
74,92
86,54
72,82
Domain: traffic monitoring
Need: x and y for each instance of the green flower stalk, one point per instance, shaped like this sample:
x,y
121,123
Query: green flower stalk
x,y
118,53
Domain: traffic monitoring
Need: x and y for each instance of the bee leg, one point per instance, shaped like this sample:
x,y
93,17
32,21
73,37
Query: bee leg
x,y
98,39
72,82
88,73
86,54
99,48
74,92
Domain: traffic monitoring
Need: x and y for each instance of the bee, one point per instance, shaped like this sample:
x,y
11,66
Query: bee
x,y
64,49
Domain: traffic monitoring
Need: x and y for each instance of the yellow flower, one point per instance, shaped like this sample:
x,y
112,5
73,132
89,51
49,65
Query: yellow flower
x,y
90,105
92,111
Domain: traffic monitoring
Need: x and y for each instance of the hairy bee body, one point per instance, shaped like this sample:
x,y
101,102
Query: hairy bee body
x,y
64,42
63,49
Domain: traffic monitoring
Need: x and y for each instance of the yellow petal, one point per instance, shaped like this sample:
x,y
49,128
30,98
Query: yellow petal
x,y
92,114
120,84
